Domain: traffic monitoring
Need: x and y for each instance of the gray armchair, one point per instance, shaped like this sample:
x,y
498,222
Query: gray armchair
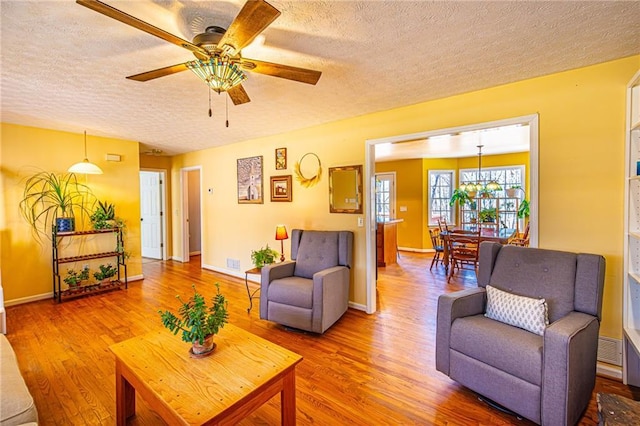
x,y
546,378
310,292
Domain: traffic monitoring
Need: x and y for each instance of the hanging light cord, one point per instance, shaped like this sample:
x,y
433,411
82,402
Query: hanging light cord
x,y
226,105
209,90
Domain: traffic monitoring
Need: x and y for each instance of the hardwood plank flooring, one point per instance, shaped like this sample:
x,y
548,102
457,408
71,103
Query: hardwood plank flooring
x,y
366,370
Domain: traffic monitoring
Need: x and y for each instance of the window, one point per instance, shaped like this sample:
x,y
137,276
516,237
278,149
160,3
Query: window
x,y
506,176
440,191
385,196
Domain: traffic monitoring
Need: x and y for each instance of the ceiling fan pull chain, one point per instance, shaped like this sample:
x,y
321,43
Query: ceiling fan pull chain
x,y
209,90
226,104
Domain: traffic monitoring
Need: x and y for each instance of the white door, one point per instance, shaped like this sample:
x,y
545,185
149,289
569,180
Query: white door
x,y
150,215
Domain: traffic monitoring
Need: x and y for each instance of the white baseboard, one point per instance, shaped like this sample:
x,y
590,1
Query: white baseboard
x,y
194,253
358,306
135,278
608,370
34,298
232,272
415,250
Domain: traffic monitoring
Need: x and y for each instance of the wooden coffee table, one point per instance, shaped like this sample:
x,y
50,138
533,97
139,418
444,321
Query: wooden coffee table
x,y
244,372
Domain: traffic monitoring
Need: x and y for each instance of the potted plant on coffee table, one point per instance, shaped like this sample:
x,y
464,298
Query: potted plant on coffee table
x,y
197,321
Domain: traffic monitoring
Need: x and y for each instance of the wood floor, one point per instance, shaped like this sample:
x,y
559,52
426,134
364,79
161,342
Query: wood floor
x,y
365,370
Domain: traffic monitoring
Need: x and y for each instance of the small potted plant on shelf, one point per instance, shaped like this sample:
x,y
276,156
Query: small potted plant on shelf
x,y
487,215
73,278
104,216
197,321
264,256
105,273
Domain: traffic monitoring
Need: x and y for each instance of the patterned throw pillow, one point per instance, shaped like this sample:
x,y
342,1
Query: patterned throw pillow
x,y
520,311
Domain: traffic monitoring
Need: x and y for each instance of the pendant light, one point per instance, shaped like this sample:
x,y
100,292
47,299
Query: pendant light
x,y
84,166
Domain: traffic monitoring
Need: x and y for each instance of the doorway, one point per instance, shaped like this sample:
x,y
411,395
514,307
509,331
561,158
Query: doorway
x,y
192,213
152,218
370,184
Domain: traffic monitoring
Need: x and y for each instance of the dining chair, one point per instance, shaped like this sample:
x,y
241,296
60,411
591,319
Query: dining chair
x,y
442,224
463,252
521,240
437,246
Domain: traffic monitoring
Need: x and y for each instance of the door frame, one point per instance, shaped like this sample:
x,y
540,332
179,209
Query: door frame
x,y
163,207
369,186
184,196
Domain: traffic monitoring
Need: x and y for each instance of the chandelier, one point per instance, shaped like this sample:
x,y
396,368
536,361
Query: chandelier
x,y
219,72
473,188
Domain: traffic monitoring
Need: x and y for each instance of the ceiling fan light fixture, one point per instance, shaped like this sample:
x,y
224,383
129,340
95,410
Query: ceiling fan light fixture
x,y
219,72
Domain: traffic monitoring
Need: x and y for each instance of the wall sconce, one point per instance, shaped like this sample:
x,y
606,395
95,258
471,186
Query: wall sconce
x,y
281,235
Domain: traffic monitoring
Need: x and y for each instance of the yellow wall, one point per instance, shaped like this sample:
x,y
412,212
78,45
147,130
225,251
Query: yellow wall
x,y
410,187
581,164
26,264
581,155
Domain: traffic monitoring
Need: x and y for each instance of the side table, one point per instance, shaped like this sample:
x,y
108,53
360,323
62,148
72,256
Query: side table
x,y
251,294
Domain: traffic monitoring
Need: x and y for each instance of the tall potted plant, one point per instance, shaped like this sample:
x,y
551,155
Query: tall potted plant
x,y
51,198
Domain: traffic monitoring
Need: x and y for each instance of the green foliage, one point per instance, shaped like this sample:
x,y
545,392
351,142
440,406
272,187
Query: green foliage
x,y
74,278
487,215
104,216
48,196
197,321
461,196
106,271
523,210
264,256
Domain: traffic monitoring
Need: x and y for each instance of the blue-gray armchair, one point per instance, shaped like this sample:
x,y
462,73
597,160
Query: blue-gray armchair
x,y
311,291
545,373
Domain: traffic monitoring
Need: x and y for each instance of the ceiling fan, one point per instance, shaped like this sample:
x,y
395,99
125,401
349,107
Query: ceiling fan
x,y
218,51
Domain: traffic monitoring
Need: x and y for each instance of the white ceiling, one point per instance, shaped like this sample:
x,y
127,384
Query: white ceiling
x,y
64,66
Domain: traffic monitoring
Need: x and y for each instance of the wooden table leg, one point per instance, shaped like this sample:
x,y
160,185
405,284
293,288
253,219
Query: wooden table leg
x,y
288,398
125,397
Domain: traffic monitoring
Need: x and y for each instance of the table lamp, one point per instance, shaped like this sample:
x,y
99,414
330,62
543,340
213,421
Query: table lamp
x,y
281,235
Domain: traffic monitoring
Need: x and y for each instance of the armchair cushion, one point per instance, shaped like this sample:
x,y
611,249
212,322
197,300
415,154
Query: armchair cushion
x,y
294,291
317,251
527,313
512,350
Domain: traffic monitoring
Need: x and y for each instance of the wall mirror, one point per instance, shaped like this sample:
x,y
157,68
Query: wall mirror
x,y
345,189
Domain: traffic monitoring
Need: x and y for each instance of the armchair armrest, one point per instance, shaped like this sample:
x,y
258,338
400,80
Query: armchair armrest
x,y
330,296
569,367
459,304
269,273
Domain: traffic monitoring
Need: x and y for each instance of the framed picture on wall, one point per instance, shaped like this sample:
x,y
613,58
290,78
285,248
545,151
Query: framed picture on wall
x,y
250,180
281,188
281,158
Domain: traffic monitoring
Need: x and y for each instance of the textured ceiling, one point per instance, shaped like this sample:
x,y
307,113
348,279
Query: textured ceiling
x,y
64,66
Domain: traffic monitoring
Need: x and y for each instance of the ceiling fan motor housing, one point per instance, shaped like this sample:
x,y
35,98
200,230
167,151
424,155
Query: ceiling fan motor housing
x,y
209,40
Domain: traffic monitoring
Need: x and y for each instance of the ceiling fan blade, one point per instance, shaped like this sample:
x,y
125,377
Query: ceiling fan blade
x,y
238,95
125,18
283,71
160,72
254,17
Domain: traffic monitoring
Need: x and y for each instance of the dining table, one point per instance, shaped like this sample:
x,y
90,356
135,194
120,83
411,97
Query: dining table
x,y
502,236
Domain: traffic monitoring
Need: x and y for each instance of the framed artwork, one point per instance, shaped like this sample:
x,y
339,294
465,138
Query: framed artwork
x,y
281,188
281,158
250,180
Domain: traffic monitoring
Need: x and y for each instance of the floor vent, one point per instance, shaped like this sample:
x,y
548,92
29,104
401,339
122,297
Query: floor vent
x,y
610,350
